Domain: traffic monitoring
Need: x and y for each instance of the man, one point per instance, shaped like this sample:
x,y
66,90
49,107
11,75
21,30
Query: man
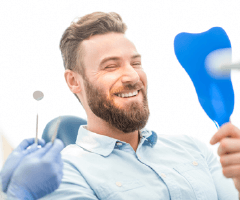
x,y
115,157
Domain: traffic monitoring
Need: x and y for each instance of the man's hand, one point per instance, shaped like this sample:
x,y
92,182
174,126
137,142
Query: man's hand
x,y
229,151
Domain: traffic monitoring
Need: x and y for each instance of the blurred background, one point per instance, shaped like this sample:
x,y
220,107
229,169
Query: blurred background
x,y
30,60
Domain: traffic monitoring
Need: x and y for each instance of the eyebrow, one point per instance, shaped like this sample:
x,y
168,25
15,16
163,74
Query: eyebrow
x,y
117,58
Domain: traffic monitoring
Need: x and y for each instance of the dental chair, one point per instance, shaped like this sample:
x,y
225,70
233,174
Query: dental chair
x,y
67,130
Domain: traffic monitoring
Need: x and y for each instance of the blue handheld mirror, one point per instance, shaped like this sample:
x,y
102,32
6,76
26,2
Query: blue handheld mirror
x,y
215,93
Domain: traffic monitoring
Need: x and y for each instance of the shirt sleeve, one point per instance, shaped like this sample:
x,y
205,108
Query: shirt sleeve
x,y
73,186
224,186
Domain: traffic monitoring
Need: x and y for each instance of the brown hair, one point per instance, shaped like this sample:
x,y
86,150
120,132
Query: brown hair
x,y
96,23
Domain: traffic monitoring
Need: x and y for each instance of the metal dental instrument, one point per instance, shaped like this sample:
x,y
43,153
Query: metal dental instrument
x,y
234,66
56,130
37,95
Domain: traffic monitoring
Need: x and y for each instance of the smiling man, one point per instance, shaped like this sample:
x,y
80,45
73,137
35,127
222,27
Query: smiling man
x,y
114,94
115,156
111,85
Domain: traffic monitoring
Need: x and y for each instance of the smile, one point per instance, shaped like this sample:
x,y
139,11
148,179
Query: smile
x,y
126,95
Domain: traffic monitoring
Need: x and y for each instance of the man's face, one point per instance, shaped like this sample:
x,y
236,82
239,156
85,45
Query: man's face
x,y
115,83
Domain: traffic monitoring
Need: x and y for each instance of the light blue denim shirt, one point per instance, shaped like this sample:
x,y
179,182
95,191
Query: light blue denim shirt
x,y
163,167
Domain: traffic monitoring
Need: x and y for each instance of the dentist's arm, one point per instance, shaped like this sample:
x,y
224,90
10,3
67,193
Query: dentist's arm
x,y
37,174
26,147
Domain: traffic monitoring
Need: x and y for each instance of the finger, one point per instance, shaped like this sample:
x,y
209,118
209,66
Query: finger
x,y
34,147
226,130
60,167
229,145
59,159
55,150
230,159
30,149
231,171
41,142
41,152
60,172
27,142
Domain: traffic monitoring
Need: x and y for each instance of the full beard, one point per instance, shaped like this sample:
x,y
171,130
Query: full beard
x,y
131,118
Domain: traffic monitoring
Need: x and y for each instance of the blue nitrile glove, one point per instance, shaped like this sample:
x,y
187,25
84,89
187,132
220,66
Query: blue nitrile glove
x,y
39,173
15,158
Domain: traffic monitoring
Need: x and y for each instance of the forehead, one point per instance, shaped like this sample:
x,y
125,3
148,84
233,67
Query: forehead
x,y
97,47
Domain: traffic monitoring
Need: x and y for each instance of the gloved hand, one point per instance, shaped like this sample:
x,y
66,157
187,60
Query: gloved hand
x,y
38,174
15,158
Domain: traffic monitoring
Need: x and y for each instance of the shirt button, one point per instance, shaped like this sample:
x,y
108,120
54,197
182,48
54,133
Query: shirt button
x,y
163,175
139,156
119,143
195,163
118,184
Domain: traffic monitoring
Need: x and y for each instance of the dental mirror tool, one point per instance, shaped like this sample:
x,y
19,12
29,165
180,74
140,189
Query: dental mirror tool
x,y
56,129
37,95
219,63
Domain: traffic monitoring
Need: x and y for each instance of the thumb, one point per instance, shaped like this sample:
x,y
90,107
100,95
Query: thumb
x,y
55,150
27,142
30,149
41,152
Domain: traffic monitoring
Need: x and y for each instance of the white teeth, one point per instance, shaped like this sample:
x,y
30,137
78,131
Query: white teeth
x,y
128,95
135,93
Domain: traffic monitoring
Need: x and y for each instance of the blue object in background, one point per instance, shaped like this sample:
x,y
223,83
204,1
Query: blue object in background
x,y
216,96
67,131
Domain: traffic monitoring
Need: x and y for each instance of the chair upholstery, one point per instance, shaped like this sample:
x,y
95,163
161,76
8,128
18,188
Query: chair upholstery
x,y
67,130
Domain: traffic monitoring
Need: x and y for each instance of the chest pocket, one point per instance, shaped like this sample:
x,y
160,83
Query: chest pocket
x,y
199,177
118,189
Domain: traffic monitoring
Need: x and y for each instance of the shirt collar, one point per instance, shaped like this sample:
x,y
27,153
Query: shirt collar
x,y
150,137
104,145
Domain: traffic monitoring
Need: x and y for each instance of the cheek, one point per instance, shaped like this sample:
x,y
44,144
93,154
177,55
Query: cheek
x,y
143,77
108,81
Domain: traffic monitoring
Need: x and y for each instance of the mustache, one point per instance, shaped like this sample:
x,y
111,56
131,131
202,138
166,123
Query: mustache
x,y
136,86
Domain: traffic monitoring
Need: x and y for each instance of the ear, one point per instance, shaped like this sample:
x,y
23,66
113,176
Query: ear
x,y
73,81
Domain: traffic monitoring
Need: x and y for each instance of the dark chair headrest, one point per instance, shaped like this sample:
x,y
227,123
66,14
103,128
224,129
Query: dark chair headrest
x,y
67,130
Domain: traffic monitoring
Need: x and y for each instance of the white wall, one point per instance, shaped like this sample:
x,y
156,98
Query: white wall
x,y
30,60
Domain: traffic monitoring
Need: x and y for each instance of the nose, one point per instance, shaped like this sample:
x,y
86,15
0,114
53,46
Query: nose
x,y
130,75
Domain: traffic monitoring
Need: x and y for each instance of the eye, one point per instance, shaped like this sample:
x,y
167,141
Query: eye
x,y
110,66
137,64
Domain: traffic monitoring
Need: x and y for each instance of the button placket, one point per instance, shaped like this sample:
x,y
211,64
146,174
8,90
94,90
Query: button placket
x,y
195,163
163,175
119,144
139,157
119,184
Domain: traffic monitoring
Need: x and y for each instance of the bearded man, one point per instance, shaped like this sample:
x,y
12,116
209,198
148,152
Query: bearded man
x,y
115,157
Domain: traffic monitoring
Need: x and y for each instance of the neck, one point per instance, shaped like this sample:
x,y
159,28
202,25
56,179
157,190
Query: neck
x,y
101,127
